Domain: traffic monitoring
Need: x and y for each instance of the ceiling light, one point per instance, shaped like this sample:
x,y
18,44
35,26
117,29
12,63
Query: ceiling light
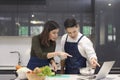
x,y
37,22
17,23
109,4
33,15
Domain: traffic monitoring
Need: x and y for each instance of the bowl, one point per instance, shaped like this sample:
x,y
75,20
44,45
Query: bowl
x,y
32,76
87,71
21,73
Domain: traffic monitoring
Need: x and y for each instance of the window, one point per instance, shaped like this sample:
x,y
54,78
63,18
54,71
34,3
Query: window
x,y
23,30
111,33
87,30
35,30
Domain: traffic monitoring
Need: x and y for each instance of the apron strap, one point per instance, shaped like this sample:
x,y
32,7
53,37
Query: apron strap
x,y
66,38
80,38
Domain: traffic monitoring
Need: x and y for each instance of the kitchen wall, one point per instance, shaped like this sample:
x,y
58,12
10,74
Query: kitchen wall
x,y
16,43
10,44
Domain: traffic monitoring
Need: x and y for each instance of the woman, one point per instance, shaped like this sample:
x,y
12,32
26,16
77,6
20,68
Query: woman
x,y
43,47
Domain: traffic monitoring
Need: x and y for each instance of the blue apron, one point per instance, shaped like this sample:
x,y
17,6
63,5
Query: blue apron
x,y
37,62
73,64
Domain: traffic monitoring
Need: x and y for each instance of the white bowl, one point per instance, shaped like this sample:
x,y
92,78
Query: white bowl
x,y
22,72
87,71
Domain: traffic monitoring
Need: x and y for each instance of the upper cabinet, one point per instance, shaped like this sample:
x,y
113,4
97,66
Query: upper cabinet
x,y
27,17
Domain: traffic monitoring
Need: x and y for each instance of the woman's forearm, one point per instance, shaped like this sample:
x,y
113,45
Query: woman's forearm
x,y
61,54
51,55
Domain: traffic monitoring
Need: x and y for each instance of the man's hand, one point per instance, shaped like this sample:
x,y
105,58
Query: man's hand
x,y
94,63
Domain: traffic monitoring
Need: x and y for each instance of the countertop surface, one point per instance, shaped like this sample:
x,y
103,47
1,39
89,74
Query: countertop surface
x,y
7,68
7,77
62,77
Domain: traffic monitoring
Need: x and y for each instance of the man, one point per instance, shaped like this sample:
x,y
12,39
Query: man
x,y
79,46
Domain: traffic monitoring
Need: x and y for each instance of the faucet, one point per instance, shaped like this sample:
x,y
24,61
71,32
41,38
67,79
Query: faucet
x,y
19,60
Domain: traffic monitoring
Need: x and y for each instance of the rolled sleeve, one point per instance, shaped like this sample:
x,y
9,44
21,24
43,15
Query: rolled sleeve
x,y
87,46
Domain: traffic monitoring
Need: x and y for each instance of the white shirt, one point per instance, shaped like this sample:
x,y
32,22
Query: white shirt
x,y
85,46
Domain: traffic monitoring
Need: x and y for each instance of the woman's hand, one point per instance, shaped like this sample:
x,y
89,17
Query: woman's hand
x,y
54,65
63,55
94,63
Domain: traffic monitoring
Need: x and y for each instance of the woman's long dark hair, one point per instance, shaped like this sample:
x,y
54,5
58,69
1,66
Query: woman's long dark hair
x,y
44,36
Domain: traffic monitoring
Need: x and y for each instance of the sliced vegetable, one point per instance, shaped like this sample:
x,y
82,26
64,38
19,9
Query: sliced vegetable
x,y
45,71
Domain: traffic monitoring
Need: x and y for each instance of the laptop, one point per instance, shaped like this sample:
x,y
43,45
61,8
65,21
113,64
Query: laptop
x,y
103,72
105,69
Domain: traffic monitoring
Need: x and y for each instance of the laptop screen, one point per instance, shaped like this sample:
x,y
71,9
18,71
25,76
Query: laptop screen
x,y
105,69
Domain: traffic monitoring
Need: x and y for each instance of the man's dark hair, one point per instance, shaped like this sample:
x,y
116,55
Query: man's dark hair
x,y
69,23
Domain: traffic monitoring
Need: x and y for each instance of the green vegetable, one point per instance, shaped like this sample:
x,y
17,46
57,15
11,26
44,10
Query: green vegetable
x,y
46,71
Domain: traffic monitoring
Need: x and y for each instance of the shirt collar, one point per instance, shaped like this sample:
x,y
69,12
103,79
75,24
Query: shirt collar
x,y
74,40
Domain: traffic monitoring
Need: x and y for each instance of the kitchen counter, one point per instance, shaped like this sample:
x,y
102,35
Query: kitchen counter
x,y
7,69
62,77
80,77
7,76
